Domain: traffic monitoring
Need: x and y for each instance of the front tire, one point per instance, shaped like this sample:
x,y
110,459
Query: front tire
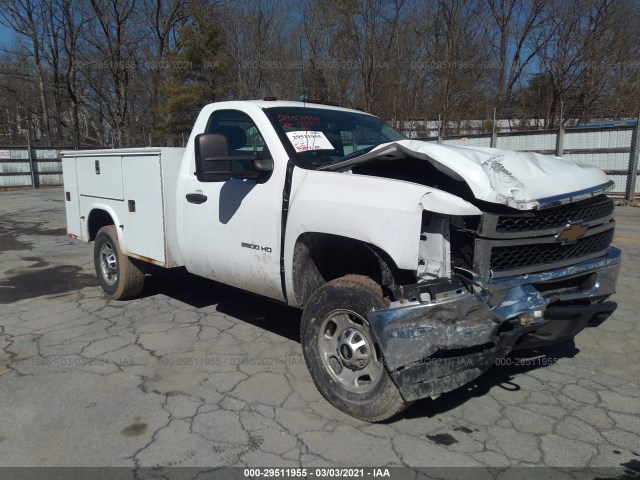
x,y
120,276
341,353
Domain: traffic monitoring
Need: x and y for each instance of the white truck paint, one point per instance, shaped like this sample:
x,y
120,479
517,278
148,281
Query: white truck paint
x,y
397,250
516,179
146,176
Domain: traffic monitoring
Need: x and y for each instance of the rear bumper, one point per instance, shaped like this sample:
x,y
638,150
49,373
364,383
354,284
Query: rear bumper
x,y
431,348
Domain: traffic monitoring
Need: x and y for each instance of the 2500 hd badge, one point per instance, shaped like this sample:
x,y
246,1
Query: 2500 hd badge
x,y
253,246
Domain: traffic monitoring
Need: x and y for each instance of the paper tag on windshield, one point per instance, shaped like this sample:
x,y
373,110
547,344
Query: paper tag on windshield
x,y
305,140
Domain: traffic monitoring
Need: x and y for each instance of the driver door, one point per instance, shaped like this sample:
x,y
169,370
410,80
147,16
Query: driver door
x,y
231,229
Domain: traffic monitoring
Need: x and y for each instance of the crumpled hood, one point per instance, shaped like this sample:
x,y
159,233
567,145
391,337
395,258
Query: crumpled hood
x,y
517,179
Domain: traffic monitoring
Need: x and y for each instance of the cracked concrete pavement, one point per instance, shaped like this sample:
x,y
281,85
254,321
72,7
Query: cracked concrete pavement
x,y
193,373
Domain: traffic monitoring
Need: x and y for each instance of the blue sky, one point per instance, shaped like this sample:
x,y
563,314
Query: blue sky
x,y
6,35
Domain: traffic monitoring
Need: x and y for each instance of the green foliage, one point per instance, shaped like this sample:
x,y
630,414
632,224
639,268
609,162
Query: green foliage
x,y
196,70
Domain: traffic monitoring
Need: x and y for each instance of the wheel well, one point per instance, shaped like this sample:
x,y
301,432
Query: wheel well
x,y
97,220
319,258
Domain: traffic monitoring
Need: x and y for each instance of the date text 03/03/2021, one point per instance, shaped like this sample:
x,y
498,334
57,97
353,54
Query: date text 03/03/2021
x,y
316,472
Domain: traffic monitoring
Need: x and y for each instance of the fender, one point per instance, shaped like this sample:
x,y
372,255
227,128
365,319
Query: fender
x,y
116,222
378,211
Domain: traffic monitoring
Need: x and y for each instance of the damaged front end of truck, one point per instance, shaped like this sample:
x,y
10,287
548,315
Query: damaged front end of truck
x,y
529,270
452,331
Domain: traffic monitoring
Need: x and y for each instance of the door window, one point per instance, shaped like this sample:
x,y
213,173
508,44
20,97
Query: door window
x,y
241,132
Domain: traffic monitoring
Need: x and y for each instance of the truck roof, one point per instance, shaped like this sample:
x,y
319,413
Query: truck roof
x,y
290,103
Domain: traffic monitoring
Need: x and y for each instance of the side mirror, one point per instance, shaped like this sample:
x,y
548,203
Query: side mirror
x,y
215,164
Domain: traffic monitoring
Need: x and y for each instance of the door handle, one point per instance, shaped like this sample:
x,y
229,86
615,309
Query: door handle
x,y
197,198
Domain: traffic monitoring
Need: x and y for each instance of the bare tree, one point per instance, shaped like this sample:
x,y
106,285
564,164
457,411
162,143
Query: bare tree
x,y
162,20
89,71
113,46
25,17
583,48
327,59
461,59
518,39
255,43
73,21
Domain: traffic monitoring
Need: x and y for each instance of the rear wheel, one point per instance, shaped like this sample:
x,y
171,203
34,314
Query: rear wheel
x,y
341,353
119,276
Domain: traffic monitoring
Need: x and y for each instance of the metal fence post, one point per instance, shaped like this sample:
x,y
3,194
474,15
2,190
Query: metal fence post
x,y
30,157
560,135
494,133
632,174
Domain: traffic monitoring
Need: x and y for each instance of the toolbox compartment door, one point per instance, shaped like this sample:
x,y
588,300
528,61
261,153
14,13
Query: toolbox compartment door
x,y
71,200
101,176
144,226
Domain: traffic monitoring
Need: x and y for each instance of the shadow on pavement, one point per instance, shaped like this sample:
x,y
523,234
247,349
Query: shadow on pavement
x,y
199,293
503,376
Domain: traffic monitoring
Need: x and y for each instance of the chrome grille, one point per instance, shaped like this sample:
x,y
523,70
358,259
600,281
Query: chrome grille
x,y
556,217
540,254
534,241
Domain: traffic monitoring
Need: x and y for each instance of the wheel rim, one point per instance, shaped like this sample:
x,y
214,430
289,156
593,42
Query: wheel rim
x,y
348,352
108,263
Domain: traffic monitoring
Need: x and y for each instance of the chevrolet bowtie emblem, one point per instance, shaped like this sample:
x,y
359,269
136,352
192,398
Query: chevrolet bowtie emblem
x,y
572,232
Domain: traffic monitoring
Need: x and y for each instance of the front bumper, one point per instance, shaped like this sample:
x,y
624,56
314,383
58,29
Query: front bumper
x,y
431,348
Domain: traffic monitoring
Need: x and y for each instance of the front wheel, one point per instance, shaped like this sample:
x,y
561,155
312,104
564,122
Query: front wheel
x,y
341,353
119,276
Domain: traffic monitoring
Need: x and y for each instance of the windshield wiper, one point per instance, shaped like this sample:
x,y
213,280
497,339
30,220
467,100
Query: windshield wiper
x,y
388,149
355,154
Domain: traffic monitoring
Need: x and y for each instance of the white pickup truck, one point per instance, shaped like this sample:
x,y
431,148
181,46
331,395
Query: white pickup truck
x,y
418,266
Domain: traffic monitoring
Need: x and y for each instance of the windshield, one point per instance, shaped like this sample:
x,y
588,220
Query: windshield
x,y
318,136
